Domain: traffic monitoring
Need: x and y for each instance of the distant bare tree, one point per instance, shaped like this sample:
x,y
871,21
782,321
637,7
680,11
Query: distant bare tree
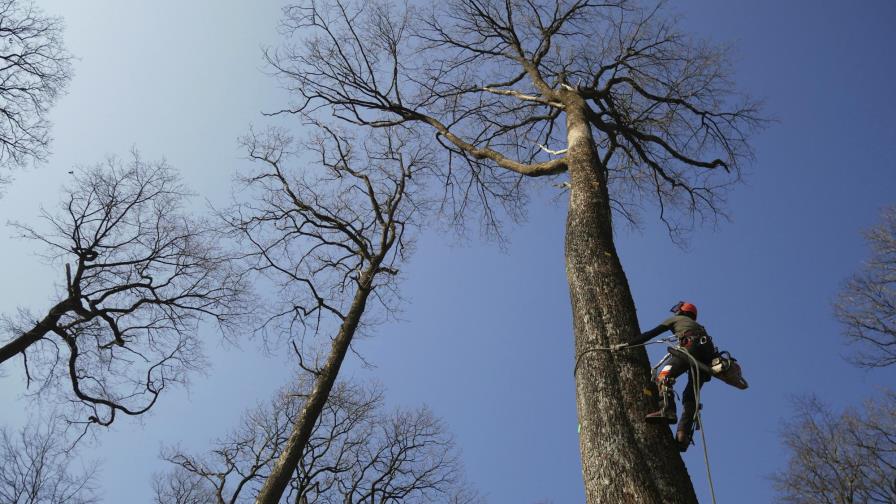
x,y
34,70
355,454
840,459
34,468
851,458
330,235
182,487
140,274
867,303
611,94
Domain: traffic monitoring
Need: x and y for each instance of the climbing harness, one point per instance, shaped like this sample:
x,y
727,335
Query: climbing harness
x,y
687,341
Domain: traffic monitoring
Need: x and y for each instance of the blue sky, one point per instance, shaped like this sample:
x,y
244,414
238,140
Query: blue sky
x,y
486,336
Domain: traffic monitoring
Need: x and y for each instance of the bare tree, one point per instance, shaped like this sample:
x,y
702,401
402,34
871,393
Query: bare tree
x,y
182,487
140,273
330,238
848,458
612,94
867,303
356,453
34,70
34,468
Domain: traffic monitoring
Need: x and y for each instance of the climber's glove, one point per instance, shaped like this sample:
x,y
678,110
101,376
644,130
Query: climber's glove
x,y
618,346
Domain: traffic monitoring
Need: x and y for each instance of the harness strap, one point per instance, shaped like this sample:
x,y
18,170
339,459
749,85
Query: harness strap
x,y
688,338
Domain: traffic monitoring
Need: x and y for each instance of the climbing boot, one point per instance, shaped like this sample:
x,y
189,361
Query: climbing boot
x,y
683,438
666,414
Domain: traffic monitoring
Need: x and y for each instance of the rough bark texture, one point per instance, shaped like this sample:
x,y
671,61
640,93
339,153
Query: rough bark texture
x,y
624,460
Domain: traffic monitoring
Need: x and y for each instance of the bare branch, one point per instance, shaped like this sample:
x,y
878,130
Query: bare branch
x,y
34,71
140,276
489,77
848,458
356,453
866,306
35,468
331,238
315,233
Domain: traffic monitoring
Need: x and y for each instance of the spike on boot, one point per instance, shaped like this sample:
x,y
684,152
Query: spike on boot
x,y
683,438
665,415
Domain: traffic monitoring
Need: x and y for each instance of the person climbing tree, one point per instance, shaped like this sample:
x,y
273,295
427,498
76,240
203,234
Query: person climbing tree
x,y
694,339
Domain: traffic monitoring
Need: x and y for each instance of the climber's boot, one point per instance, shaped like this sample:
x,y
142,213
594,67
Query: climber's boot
x,y
666,414
683,438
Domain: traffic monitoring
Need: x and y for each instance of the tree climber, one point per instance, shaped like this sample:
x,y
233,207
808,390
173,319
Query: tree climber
x,y
693,338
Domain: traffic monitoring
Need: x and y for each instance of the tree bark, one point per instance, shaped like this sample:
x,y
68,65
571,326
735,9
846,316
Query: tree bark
x,y
624,460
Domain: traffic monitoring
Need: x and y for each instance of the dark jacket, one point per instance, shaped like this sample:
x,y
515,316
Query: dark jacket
x,y
680,325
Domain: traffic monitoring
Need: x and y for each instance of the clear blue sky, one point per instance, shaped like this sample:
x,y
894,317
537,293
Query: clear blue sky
x,y
486,340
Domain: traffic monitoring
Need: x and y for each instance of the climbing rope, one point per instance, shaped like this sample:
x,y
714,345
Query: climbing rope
x,y
575,368
695,383
695,368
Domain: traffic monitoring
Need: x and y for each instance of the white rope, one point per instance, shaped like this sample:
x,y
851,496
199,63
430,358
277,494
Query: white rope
x,y
575,368
695,367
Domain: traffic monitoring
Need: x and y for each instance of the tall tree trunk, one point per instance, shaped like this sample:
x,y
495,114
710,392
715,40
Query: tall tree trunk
x,y
624,460
286,464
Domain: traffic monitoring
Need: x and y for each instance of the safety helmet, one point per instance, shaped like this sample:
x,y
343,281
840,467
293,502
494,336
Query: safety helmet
x,y
685,307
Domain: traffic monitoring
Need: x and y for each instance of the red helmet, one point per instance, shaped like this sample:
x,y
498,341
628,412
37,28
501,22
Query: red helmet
x,y
685,307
